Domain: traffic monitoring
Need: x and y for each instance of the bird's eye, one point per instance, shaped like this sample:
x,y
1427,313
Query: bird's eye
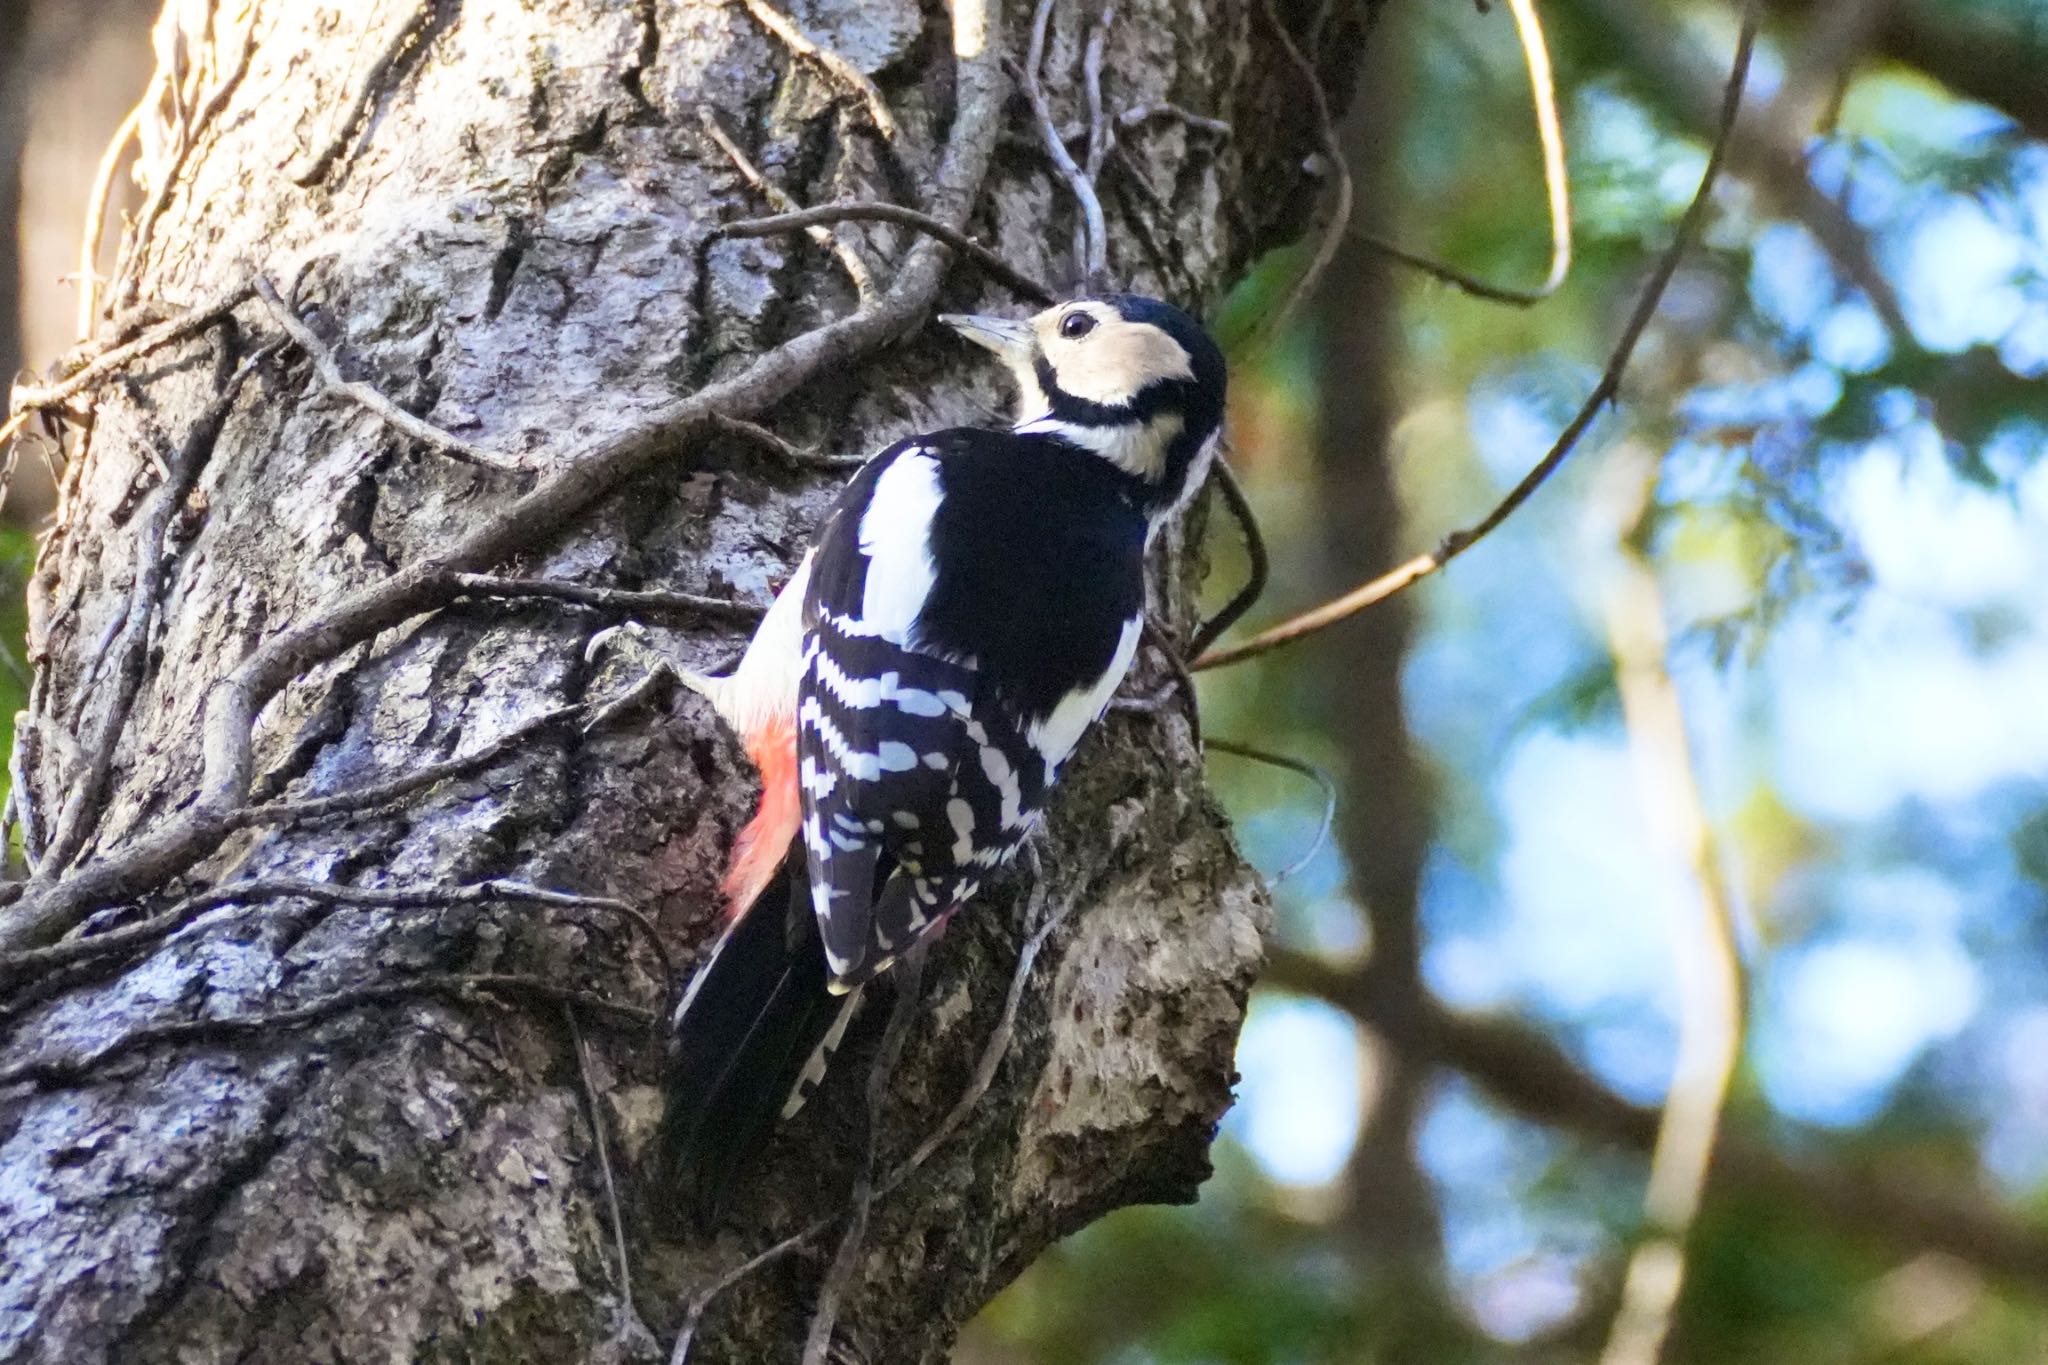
x,y
1076,325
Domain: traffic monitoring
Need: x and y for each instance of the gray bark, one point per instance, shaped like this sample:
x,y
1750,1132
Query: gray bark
x,y
498,213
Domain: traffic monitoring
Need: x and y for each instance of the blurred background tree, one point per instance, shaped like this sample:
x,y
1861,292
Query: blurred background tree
x,y
1821,500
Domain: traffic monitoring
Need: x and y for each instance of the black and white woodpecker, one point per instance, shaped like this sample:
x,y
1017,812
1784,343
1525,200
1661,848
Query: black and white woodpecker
x,y
965,614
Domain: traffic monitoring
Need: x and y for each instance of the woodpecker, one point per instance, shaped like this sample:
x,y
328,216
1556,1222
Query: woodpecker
x,y
966,611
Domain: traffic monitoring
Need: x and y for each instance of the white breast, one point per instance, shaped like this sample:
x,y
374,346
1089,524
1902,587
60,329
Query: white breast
x,y
1056,735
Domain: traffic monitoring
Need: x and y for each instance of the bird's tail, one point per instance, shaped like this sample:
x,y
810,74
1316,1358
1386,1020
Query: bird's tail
x,y
749,1040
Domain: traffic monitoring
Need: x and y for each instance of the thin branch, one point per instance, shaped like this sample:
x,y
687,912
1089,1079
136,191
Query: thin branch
x,y
130,652
1259,563
33,961
624,601
1321,778
1338,222
389,793
1094,228
908,978
1708,963
32,398
141,236
47,1073
990,264
366,396
1139,114
96,215
849,258
629,1316
413,31
1422,566
786,28
1557,191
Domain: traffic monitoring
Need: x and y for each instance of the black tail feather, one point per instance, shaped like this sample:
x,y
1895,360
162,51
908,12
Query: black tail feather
x,y
750,1023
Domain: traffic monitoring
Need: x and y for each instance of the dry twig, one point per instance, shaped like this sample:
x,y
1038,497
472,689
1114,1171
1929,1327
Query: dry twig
x,y
129,650
809,48
1322,779
1422,566
849,258
1338,220
1550,134
143,932
32,398
989,263
1094,228
628,1317
96,215
415,31
908,979
1704,951
49,1073
368,398
1258,562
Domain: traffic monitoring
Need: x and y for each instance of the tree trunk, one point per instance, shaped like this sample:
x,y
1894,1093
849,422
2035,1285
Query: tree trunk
x,y
499,215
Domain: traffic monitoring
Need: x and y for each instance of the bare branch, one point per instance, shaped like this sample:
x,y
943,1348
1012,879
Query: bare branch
x,y
908,979
1338,219
130,650
1260,563
1422,566
629,1322
1094,229
367,397
849,258
31,398
623,601
1320,777
50,1073
1704,952
413,31
990,264
96,215
809,48
389,793
143,932
1557,191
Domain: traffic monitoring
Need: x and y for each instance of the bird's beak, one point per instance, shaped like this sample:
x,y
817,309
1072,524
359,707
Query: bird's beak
x,y
1010,339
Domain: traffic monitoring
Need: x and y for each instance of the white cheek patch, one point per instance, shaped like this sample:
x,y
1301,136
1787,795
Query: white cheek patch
x,y
1115,361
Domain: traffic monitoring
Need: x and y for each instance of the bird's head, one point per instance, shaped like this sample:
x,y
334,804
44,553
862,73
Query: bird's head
x,y
1132,379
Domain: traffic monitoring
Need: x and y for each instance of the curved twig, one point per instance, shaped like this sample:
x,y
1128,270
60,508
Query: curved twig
x,y
1321,778
1557,191
1259,566
800,42
367,397
1422,566
990,264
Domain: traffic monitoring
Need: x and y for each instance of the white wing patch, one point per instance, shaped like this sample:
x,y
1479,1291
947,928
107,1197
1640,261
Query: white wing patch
x,y
895,535
1056,735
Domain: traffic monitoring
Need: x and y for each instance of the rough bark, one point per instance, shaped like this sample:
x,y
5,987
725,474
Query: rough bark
x,y
499,212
